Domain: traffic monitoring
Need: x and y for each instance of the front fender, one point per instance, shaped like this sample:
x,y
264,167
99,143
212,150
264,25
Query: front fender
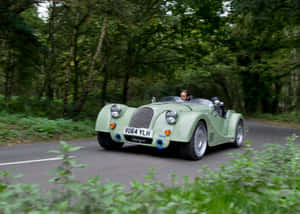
x,y
104,117
186,124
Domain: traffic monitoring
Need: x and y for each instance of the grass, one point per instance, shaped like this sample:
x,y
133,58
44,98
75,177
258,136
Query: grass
x,y
19,128
265,182
291,119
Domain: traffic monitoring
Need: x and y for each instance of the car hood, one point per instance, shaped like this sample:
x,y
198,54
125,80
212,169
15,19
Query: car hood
x,y
146,116
161,107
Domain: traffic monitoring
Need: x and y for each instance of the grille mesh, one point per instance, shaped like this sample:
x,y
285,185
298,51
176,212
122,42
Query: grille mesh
x,y
141,118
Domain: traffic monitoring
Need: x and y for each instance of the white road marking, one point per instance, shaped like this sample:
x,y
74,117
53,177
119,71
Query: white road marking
x,y
29,161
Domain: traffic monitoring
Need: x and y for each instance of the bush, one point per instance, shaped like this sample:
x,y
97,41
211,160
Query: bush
x,y
265,181
21,128
43,107
292,117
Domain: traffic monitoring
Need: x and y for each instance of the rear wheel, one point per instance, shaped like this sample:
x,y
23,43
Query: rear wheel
x,y
196,148
239,134
106,142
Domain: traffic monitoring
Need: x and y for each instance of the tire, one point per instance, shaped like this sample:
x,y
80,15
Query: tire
x,y
196,148
239,134
106,142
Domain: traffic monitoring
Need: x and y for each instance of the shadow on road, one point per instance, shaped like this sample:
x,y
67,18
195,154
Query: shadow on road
x,y
169,153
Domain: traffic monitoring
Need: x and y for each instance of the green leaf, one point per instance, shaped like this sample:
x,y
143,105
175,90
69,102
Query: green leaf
x,y
55,151
18,176
73,149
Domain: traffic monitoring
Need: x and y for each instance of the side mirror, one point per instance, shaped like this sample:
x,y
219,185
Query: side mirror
x,y
153,99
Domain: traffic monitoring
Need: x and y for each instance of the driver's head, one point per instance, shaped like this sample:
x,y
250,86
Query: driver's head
x,y
184,95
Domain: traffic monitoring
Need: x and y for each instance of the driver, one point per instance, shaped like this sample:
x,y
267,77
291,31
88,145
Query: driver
x,y
184,95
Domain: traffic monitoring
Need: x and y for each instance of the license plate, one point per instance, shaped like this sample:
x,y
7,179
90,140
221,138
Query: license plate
x,y
140,132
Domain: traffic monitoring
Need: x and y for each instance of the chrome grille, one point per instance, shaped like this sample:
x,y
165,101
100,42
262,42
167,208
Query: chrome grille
x,y
141,118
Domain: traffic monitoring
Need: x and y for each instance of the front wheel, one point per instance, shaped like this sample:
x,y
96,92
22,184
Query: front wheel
x,y
239,134
196,148
106,142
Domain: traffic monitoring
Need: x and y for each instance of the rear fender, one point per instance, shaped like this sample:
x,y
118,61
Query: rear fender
x,y
234,118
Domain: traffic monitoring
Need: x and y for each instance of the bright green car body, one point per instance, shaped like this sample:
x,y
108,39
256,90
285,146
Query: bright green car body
x,y
220,129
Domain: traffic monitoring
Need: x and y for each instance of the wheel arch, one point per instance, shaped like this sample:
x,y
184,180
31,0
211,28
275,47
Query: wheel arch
x,y
233,122
204,121
185,127
104,117
196,148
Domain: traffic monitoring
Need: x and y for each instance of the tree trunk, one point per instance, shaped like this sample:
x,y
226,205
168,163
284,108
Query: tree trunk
x,y
7,95
85,94
75,83
6,81
9,76
42,90
294,83
221,81
51,69
70,63
104,86
90,81
275,101
130,67
251,94
125,86
76,74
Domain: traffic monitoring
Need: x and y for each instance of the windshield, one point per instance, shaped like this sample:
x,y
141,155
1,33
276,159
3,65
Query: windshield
x,y
171,99
176,99
201,101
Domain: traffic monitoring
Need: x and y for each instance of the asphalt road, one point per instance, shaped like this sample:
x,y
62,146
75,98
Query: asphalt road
x,y
131,162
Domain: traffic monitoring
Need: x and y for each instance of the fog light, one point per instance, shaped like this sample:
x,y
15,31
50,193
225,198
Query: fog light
x,y
159,144
167,132
112,125
118,137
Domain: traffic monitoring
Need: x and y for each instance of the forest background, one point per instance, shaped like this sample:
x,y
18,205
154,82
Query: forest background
x,y
82,54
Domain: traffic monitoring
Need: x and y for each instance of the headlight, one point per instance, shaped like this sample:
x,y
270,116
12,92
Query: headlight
x,y
115,110
171,117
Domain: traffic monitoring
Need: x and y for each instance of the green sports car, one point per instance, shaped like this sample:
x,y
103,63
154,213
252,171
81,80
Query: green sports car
x,y
193,125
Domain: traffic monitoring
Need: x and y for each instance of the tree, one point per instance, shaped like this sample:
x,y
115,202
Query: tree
x,y
18,41
264,29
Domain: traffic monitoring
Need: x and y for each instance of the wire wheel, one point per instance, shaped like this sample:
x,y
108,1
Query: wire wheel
x,y
196,148
239,136
200,140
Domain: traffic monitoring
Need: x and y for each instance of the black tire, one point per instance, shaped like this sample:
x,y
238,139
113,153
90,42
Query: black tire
x,y
196,148
106,142
239,134
174,147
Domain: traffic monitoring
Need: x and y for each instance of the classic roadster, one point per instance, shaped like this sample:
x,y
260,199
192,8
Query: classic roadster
x,y
193,125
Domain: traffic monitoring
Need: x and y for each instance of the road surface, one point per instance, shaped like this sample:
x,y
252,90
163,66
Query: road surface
x,y
131,162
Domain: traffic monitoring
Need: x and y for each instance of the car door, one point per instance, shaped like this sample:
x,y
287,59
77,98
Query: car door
x,y
218,123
